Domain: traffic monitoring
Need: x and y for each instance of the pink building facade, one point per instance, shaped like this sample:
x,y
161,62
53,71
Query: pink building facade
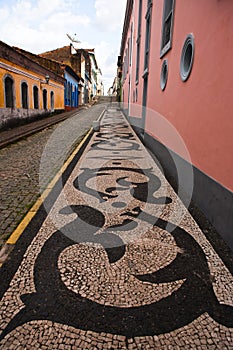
x,y
177,92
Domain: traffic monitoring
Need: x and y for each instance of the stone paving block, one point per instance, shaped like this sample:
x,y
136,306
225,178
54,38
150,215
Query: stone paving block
x,y
118,262
20,167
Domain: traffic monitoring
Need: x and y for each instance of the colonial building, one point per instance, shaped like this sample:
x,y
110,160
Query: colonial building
x,y
73,87
100,85
177,92
84,64
73,83
115,88
27,89
94,69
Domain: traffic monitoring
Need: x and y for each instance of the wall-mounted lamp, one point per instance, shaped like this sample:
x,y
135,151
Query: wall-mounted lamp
x,y
46,81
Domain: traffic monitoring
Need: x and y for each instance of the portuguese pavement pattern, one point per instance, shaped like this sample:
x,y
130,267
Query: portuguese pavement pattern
x,y
118,262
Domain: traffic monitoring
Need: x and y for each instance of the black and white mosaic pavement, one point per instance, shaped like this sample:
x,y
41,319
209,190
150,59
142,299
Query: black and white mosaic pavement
x,y
118,263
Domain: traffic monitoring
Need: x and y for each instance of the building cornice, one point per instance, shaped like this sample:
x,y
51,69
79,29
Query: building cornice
x,y
128,13
12,55
16,70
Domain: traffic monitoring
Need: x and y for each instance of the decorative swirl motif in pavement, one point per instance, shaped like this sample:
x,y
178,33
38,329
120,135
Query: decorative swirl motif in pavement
x,y
142,191
54,301
104,145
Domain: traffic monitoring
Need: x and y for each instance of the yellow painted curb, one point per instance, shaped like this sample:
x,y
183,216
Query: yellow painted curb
x,y
32,212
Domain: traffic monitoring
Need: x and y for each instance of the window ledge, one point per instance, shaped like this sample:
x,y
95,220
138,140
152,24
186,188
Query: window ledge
x,y
165,49
145,73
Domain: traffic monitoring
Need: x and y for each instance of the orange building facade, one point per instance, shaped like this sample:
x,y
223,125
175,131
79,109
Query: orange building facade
x,y
177,93
27,89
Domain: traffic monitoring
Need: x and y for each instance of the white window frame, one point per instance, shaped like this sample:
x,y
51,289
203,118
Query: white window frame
x,y
167,46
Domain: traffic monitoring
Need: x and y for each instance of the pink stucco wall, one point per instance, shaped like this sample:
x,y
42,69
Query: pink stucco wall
x,y
200,109
136,105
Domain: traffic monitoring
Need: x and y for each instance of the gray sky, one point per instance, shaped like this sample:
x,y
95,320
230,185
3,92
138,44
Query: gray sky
x,y
41,25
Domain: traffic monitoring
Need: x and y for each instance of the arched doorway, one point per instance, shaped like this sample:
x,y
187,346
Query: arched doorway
x,y
9,93
44,99
35,97
24,95
52,100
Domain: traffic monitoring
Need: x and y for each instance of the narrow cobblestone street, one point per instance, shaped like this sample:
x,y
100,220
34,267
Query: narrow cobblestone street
x,y
20,165
117,261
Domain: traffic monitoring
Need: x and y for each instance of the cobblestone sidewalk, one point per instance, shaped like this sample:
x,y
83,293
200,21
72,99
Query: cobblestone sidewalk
x,y
118,262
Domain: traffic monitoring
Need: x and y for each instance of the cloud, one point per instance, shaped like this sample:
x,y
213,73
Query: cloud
x,y
41,25
106,57
110,14
64,22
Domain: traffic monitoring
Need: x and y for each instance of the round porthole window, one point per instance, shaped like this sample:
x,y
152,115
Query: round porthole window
x,y
187,54
164,74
